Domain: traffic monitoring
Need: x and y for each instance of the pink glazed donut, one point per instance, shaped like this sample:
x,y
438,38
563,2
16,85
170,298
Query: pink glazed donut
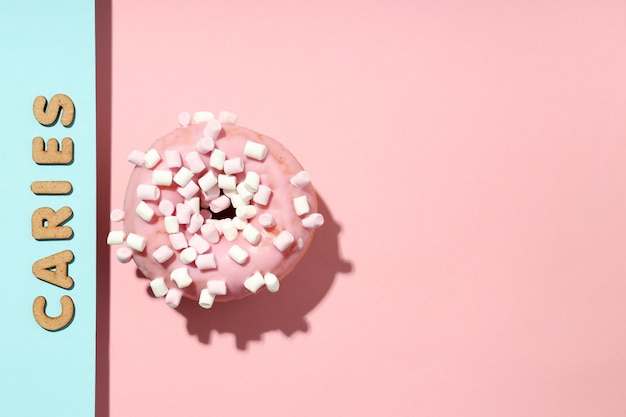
x,y
215,212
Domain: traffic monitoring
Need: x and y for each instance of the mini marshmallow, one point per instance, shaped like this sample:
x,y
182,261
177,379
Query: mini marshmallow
x,y
189,190
166,207
301,179
227,117
144,211
229,230
195,223
266,220
136,242
115,237
217,159
173,297
233,166
255,150
219,204
216,286
194,162
212,129
239,223
202,116
194,204
162,254
151,158
124,254
162,177
183,176
227,182
211,194
171,224
205,145
181,277
199,244
254,283
262,196
188,255
159,289
283,240
251,234
244,192
207,181
172,159
178,241
237,254
313,221
148,192
271,282
206,299
236,200
246,212
184,118
117,215
183,213
252,181
206,261
301,205
136,157
210,233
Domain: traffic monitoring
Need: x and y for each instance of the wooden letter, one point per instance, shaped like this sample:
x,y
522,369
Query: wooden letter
x,y
46,223
53,156
48,115
53,323
51,187
53,269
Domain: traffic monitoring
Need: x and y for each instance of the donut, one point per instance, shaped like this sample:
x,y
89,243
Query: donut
x,y
214,211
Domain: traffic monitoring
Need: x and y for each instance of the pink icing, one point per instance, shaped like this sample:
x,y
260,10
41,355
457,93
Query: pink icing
x,y
275,172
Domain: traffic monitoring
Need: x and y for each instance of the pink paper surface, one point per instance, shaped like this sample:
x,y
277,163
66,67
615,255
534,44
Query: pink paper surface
x,y
470,157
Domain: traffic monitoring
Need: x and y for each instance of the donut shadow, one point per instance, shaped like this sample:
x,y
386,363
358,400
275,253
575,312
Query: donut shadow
x,y
250,318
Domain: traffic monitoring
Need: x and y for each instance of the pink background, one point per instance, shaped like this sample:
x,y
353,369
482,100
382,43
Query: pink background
x,y
471,161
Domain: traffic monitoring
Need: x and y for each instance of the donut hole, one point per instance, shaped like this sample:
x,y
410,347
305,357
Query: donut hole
x,y
227,213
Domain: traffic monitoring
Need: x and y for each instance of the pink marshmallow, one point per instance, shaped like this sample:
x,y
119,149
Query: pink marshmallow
x,y
205,145
196,221
136,157
283,241
219,204
189,190
210,233
313,221
173,297
124,254
172,159
206,261
178,241
166,207
233,166
262,196
117,215
301,179
216,286
183,213
148,192
162,254
266,220
199,244
194,162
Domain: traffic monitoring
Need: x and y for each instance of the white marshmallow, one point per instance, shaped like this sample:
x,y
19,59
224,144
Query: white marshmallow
x,y
181,277
283,240
117,215
246,212
212,129
216,286
206,298
172,159
255,150
171,224
144,211
227,182
313,221
162,177
162,254
194,162
244,192
301,179
239,223
254,283
148,192
166,207
151,158
301,205
183,176
115,237
271,282
229,230
238,254
252,181
173,297
136,157
227,117
207,181
124,254
266,220
136,242
194,204
202,116
206,261
262,196
159,289
188,255
236,200
199,244
233,166
217,159
251,234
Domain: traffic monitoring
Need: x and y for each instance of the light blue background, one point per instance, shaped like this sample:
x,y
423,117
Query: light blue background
x,y
46,48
